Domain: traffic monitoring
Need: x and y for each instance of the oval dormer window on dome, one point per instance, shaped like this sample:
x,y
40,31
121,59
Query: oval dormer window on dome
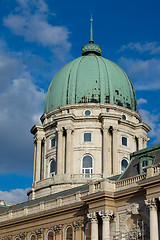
x,y
87,112
124,117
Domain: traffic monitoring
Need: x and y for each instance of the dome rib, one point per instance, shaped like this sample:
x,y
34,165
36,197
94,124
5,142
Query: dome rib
x,y
91,79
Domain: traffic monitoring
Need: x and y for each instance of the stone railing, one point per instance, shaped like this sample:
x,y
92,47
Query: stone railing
x,y
128,182
42,206
153,170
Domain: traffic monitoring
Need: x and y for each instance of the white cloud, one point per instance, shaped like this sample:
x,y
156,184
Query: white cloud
x,y
14,196
150,47
153,121
141,101
30,21
145,74
21,101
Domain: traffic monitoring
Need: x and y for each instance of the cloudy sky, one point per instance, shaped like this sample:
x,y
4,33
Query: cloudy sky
x,y
37,37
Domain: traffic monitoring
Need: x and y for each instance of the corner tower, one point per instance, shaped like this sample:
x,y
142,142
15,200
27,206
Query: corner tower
x,y
89,127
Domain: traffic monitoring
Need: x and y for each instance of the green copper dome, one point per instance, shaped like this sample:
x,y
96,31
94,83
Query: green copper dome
x,y
91,79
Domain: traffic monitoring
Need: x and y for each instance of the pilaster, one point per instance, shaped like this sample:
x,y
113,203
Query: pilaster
x,y
106,159
94,225
106,216
152,205
60,152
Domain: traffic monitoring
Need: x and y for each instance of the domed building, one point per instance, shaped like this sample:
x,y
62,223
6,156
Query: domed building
x,y
89,127
93,178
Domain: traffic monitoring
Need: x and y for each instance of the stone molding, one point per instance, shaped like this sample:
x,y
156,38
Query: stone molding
x,y
152,204
106,214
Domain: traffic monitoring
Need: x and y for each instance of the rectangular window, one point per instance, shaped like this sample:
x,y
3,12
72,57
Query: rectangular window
x,y
87,137
124,141
53,142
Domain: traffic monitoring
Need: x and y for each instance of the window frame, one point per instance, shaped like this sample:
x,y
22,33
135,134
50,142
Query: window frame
x,y
84,113
32,234
69,226
84,137
124,137
51,142
121,164
52,174
50,230
84,172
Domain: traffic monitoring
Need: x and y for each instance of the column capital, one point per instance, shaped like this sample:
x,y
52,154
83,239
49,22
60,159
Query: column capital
x,y
39,232
92,217
23,235
106,214
152,204
105,128
57,229
77,224
59,129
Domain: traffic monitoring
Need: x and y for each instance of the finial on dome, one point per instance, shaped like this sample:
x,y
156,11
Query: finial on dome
x,y
91,33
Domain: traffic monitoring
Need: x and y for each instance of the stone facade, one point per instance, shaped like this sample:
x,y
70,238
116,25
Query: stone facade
x,y
67,127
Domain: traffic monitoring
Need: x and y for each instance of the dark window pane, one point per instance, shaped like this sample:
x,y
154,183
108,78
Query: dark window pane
x,y
124,141
87,137
87,112
124,164
53,142
124,117
87,162
33,237
50,235
53,166
144,163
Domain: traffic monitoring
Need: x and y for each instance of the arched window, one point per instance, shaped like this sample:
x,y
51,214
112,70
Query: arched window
x,y
49,235
124,164
69,233
87,231
53,168
87,166
32,237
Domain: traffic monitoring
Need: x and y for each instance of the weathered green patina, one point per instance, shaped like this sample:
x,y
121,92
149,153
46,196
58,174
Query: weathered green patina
x,y
91,79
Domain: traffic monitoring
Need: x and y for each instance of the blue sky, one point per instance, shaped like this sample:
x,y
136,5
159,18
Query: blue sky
x,y
37,37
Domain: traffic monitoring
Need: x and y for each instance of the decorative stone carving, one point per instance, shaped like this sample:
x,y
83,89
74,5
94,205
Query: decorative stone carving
x,y
39,232
133,208
23,235
152,204
106,214
92,217
57,229
77,224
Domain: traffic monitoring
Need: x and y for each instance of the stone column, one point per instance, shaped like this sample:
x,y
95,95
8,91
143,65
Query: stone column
x,y
77,229
115,151
38,159
106,159
57,231
35,156
69,150
60,152
152,205
106,216
94,225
